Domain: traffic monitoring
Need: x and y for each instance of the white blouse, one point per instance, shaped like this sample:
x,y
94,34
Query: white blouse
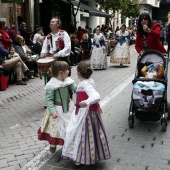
x,y
87,86
62,53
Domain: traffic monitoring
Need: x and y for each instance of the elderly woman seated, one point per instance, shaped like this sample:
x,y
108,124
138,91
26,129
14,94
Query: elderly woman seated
x,y
24,52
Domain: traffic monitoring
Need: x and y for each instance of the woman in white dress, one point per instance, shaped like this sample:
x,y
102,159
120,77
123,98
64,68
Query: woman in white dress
x,y
98,57
121,53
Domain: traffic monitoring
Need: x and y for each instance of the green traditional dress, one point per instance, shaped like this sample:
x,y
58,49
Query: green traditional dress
x,y
58,101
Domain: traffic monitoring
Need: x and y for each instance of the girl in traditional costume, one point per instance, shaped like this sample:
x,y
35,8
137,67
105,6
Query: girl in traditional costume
x,y
86,140
99,56
59,105
121,53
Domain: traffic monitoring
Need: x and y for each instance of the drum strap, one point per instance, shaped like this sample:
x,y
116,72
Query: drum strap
x,y
52,42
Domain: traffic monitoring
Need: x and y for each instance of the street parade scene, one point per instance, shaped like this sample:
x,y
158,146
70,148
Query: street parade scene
x,y
84,85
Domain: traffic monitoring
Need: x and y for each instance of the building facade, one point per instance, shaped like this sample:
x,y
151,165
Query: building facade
x,y
25,12
39,12
161,14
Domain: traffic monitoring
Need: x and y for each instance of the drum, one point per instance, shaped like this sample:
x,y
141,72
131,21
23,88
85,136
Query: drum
x,y
45,63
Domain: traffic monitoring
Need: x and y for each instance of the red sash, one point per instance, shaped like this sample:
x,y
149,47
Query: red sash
x,y
81,96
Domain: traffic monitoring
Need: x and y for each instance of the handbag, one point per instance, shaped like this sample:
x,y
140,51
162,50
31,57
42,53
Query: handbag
x,y
3,82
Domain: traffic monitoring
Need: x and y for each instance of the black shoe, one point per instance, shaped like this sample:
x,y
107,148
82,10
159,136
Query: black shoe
x,y
25,79
20,82
27,73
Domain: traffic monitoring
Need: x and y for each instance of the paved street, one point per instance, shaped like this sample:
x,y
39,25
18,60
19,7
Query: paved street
x,y
145,147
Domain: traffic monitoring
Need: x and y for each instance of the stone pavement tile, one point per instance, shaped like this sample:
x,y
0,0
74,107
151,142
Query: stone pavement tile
x,y
32,151
46,167
15,167
161,166
21,157
18,162
3,163
10,157
18,152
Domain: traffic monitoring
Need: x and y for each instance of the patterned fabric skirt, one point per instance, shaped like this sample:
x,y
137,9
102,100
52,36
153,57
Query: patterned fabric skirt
x,y
121,54
53,130
48,130
93,144
98,58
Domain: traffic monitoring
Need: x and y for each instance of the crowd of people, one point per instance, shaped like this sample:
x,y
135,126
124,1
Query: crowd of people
x,y
77,127
16,51
20,49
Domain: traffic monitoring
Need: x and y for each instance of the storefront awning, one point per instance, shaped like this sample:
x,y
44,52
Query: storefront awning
x,y
92,11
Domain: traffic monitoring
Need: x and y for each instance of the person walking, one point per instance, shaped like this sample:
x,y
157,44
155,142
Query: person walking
x,y
98,58
59,105
121,53
148,35
57,43
86,140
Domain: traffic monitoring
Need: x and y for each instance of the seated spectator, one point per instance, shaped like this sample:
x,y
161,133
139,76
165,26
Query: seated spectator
x,y
155,71
11,32
38,35
75,50
12,53
24,52
80,33
109,32
14,63
26,49
85,36
26,33
37,47
5,38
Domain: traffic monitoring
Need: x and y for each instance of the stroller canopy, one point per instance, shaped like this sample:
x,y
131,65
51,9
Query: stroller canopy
x,y
152,56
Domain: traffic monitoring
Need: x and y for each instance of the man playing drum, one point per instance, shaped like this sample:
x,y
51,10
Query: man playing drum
x,y
57,44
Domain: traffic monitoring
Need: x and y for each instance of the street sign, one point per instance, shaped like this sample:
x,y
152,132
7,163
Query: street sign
x,y
12,1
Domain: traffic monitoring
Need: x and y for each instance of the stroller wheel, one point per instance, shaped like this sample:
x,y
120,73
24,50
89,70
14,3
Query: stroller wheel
x,y
164,124
131,121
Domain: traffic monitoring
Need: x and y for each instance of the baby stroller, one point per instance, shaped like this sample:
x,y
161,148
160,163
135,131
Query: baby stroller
x,y
149,95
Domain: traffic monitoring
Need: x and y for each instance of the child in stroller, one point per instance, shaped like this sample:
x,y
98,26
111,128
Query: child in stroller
x,y
149,95
154,71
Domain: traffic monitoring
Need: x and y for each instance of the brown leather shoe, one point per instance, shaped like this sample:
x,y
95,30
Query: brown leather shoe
x,y
52,149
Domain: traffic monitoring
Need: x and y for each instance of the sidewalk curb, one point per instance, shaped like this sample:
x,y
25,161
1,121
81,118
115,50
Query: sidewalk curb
x,y
38,161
